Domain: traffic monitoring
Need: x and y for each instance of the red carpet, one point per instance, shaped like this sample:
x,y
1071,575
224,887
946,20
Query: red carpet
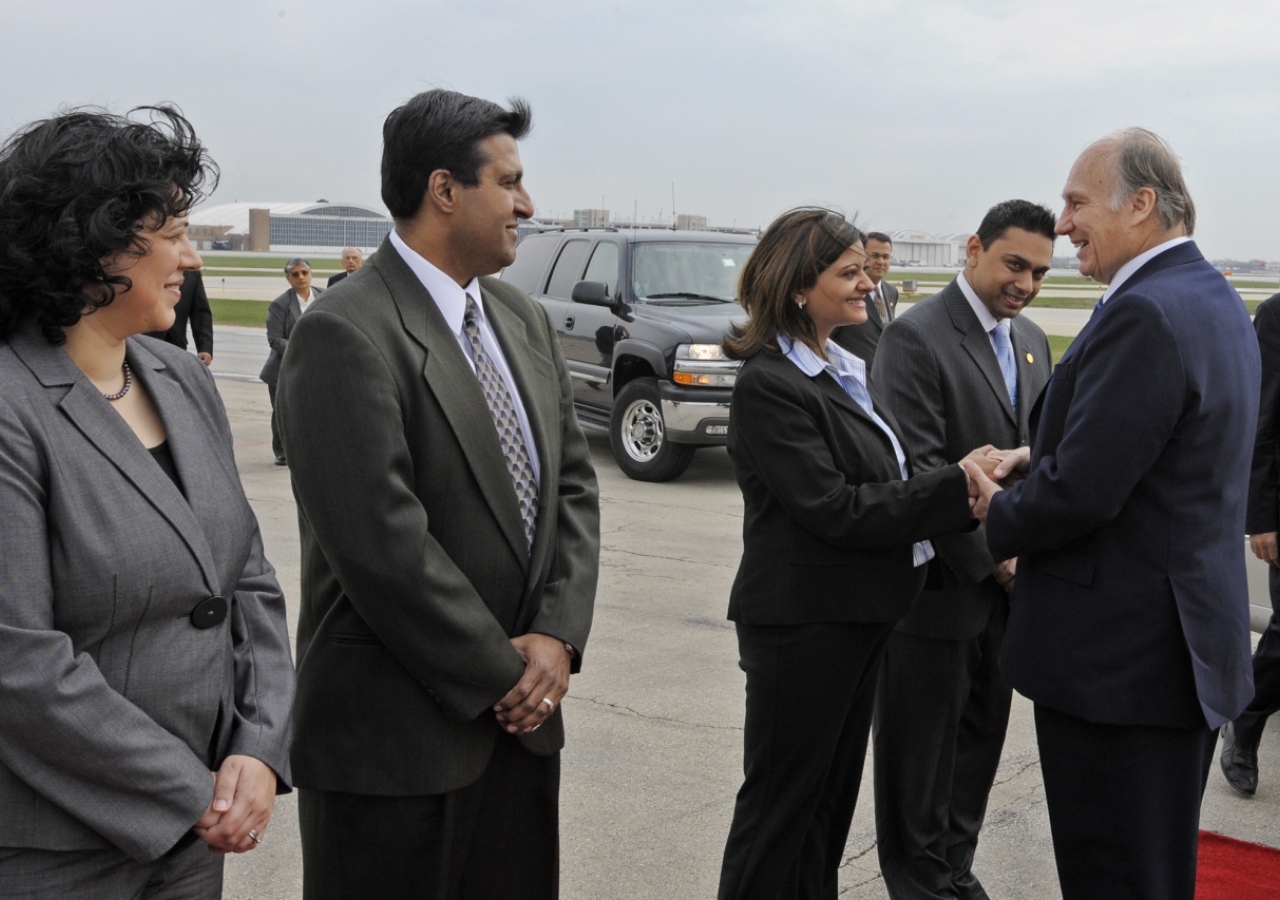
x,y
1228,869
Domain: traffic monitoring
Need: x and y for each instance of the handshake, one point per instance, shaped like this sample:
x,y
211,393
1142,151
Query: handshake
x,y
990,471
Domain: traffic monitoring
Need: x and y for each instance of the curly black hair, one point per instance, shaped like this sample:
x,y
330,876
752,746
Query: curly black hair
x,y
78,189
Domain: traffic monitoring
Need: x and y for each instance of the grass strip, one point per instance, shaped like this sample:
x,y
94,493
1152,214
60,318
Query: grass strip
x,y
239,312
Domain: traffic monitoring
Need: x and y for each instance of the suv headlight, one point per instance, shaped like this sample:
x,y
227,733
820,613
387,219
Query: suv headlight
x,y
704,365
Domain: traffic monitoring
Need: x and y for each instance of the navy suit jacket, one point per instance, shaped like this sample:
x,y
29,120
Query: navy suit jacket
x,y
1131,605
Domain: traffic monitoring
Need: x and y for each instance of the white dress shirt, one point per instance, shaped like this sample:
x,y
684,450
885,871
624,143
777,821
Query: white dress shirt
x,y
451,300
850,373
985,318
304,305
1133,265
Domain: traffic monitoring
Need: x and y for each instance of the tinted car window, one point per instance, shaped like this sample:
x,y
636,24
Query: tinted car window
x,y
686,269
531,262
565,274
604,265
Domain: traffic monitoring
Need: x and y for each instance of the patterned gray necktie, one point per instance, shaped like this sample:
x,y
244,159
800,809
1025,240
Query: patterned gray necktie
x,y
882,308
505,420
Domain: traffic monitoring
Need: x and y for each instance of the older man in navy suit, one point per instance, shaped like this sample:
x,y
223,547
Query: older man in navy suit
x,y
1129,625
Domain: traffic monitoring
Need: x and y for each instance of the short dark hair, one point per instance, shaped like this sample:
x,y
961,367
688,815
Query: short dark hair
x,y
799,246
78,189
1022,214
879,236
440,130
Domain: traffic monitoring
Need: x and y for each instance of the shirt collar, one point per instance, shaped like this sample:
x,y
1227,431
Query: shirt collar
x,y
1133,265
838,359
985,318
448,295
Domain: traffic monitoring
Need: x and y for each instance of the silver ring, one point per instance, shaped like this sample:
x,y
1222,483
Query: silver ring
x,y
253,833
547,700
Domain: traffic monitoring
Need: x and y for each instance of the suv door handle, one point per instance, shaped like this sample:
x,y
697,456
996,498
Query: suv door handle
x,y
568,323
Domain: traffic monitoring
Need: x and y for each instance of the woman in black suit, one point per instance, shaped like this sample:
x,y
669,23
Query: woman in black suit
x,y
834,551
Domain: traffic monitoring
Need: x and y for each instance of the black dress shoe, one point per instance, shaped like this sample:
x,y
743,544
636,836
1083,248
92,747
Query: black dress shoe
x,y
1239,761
280,461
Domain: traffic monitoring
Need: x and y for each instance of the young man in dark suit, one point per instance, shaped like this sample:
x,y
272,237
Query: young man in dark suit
x,y
963,369
352,259
882,302
1129,625
449,520
193,306
1240,739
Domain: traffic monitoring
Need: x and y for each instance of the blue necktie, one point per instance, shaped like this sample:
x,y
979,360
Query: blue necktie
x,y
1004,355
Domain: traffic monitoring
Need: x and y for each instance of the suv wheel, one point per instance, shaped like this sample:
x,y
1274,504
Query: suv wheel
x,y
638,435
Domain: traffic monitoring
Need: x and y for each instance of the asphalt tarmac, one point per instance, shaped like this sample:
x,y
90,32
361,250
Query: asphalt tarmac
x,y
655,719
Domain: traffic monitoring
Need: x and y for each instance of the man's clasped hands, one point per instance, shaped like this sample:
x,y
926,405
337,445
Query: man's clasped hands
x,y
990,471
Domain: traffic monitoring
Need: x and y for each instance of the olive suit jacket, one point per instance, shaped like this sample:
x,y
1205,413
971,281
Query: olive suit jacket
x,y
416,571
939,375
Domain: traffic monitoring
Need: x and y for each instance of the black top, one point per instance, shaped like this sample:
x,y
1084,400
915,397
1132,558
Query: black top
x,y
162,455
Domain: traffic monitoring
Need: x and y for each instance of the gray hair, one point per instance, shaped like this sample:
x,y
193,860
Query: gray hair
x,y
1144,159
293,263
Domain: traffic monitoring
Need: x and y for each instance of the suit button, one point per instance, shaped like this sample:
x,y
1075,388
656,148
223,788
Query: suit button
x,y
209,613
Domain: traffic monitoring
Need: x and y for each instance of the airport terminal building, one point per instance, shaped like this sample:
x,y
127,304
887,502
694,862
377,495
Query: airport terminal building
x,y
319,227
920,248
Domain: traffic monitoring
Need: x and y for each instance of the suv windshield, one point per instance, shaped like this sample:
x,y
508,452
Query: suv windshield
x,y
677,273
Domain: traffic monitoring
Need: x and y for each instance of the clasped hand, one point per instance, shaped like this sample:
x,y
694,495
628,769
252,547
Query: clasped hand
x,y
244,791
990,468
544,684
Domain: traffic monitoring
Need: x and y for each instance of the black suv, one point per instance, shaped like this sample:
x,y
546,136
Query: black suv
x,y
640,315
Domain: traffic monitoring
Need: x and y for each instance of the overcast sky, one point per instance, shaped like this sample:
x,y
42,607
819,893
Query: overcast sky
x,y
910,113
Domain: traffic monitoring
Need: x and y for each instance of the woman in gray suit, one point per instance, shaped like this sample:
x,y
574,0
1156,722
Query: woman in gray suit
x,y
145,678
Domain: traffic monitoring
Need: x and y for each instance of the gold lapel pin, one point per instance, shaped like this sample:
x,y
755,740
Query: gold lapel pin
x,y
1030,358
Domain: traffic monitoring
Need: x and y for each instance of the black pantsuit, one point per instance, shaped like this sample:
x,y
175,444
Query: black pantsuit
x,y
827,569
1137,839
943,764
810,692
416,848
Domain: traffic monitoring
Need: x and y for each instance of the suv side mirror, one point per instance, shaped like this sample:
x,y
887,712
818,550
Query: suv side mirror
x,y
593,293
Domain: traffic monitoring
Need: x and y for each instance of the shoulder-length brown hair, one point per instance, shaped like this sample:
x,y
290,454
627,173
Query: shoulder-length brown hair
x,y
799,246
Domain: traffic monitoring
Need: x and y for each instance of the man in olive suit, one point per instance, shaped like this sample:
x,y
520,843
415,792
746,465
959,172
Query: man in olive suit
x,y
450,536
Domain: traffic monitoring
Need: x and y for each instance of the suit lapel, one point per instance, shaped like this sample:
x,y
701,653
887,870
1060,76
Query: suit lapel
x,y
453,383
1027,388
103,427
828,385
977,344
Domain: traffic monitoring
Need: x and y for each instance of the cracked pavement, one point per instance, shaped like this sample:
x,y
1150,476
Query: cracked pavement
x,y
654,721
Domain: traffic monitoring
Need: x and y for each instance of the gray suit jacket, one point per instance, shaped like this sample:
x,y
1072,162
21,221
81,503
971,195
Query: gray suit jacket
x,y
938,374
862,340
415,568
281,316
113,706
